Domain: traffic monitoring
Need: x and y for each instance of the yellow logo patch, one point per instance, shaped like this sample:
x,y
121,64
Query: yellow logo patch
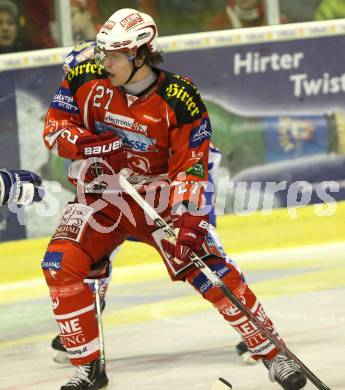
x,y
174,90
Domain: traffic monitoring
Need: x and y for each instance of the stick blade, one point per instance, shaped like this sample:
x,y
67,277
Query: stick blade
x,y
221,384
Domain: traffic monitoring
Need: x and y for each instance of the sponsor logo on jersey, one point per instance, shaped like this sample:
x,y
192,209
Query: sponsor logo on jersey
x,y
55,302
73,222
70,326
200,133
64,101
203,284
52,261
151,118
84,69
78,351
139,164
197,170
131,99
130,140
175,90
131,20
197,155
124,121
214,247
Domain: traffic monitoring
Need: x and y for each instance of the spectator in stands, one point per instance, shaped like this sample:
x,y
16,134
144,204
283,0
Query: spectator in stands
x,y
330,9
106,7
298,11
180,16
239,13
84,14
39,15
9,27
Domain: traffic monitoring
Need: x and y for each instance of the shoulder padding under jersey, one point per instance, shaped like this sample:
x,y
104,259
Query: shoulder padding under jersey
x,y
84,72
183,97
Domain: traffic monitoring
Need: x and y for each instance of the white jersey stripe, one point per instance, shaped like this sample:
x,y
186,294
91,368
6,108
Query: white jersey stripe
x,y
86,110
75,313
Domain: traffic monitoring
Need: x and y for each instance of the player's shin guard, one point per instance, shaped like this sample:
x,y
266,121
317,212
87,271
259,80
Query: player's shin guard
x,y
76,318
60,352
65,266
258,344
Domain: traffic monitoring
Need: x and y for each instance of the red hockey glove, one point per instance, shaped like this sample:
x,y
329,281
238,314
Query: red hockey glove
x,y
107,147
192,232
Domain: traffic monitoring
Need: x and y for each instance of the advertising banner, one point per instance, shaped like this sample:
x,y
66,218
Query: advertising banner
x,y
27,95
277,110
10,229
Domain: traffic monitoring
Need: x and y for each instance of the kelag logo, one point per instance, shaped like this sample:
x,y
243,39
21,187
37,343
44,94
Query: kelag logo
x,y
200,134
64,101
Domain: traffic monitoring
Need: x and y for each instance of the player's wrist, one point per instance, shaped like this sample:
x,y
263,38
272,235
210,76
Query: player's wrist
x,y
198,223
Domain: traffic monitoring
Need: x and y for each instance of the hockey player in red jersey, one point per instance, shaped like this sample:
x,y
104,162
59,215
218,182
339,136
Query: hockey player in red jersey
x,y
80,53
121,112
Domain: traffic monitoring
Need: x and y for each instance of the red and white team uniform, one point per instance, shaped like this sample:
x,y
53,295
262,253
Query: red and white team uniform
x,y
166,133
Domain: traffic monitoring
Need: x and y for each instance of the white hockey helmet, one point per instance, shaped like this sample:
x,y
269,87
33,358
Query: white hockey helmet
x,y
127,29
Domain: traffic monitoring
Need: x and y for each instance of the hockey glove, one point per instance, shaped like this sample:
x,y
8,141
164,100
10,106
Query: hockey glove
x,y
20,187
111,157
192,231
81,52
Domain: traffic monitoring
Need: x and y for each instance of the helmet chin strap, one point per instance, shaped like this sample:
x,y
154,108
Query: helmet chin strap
x,y
135,68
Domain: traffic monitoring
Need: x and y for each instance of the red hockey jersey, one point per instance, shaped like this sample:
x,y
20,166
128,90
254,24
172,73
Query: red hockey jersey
x,y
166,130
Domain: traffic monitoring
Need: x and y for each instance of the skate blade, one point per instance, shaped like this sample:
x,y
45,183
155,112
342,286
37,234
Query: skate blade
x,y
247,358
104,387
61,358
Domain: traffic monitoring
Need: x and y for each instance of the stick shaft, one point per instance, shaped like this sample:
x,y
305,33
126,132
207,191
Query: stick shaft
x,y
99,321
217,282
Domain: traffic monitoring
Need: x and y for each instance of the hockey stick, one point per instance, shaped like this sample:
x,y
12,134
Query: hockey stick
x,y
99,321
217,282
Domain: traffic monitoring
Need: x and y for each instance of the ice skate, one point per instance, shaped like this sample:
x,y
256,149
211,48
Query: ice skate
x,y
60,353
90,376
243,352
284,371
